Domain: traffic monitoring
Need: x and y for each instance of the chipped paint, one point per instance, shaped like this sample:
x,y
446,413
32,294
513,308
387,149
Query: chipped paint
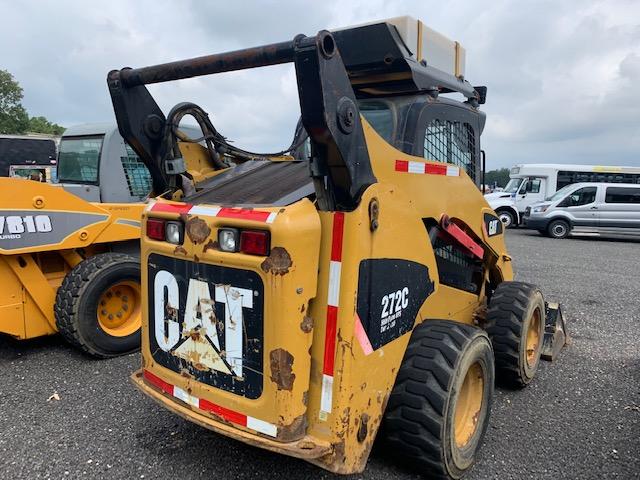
x,y
306,325
363,428
278,262
210,245
197,230
179,249
294,431
281,369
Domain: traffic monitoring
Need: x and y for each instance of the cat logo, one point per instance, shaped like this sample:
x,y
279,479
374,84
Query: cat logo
x,y
207,320
492,225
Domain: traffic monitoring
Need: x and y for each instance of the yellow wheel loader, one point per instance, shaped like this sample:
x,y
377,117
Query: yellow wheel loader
x,y
69,251
356,283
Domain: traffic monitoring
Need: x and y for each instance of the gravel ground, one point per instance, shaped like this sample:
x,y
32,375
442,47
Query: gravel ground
x,y
579,419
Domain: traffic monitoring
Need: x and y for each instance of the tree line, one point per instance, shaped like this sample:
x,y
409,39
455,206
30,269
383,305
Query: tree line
x,y
14,118
498,177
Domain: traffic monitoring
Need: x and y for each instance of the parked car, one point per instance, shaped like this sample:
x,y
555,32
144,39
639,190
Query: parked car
x,y
531,183
612,208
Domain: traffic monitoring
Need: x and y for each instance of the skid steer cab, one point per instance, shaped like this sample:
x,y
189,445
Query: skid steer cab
x,y
303,299
69,252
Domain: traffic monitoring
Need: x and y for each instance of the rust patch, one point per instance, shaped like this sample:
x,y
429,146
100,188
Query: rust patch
x,y
302,308
338,452
281,366
201,367
305,398
179,249
210,245
363,428
278,263
294,431
306,325
197,230
196,258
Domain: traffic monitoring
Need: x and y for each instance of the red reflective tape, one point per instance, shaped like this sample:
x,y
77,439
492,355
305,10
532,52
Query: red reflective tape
x,y
243,214
330,340
402,166
225,413
171,208
336,239
432,169
361,335
465,240
158,382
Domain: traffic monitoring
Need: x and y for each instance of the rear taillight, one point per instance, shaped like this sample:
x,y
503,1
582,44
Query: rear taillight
x,y
165,231
254,242
251,242
155,229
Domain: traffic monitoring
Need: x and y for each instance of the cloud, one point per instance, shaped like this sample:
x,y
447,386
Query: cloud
x,y
561,75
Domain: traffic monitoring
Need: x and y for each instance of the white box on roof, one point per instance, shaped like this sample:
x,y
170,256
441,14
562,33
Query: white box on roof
x,y
424,43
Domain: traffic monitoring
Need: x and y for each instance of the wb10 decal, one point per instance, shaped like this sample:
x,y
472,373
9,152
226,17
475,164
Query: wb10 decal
x,y
208,321
16,225
390,293
30,228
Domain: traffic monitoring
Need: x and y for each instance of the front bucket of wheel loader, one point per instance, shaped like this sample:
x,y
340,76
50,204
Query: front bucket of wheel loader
x,y
555,332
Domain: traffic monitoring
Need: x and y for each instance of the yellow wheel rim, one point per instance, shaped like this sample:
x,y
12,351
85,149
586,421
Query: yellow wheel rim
x,y
533,338
119,312
468,405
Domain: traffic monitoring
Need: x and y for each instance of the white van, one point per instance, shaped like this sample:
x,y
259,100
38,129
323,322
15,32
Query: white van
x,y
612,208
531,183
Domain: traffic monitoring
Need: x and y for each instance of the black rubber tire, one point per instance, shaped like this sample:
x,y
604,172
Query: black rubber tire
x,y
507,213
508,321
559,229
77,300
418,424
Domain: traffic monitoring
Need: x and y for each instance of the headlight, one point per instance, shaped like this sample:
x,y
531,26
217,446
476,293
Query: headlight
x,y
174,232
228,239
541,209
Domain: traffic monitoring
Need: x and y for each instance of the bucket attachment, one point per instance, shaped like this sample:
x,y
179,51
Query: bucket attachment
x,y
555,332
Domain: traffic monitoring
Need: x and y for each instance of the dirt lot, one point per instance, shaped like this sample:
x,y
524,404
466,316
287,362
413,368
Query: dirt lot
x,y
579,419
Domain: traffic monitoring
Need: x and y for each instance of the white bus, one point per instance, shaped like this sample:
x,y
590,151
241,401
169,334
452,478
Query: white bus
x,y
534,182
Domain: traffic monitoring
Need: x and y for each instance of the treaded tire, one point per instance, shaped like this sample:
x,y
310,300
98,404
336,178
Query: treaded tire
x,y
511,222
559,229
419,421
77,301
510,316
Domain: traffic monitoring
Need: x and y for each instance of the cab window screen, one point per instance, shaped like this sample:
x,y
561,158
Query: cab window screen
x,y
622,195
79,159
137,174
451,142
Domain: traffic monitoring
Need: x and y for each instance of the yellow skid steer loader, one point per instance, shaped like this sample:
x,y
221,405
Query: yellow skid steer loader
x,y
301,301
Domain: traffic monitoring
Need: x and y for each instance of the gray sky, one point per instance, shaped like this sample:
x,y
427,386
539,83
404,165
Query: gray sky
x,y
562,75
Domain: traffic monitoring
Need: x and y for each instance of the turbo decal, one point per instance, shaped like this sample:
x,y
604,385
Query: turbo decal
x,y
25,229
333,299
207,320
390,294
